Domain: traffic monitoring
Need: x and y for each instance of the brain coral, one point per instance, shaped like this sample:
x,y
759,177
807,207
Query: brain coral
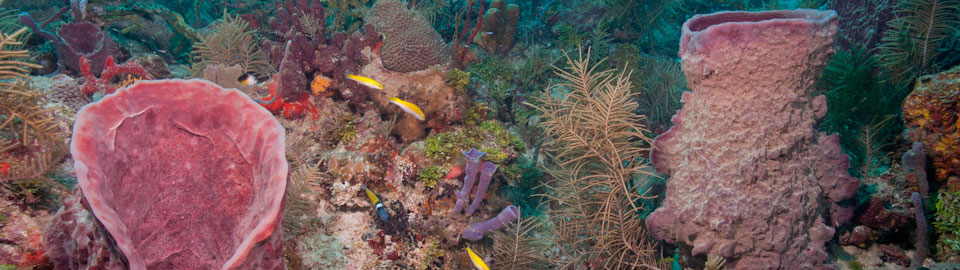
x,y
930,112
751,178
409,42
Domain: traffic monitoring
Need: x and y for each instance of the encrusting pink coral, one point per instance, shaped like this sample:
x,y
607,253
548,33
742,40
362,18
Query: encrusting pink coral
x,y
752,180
184,175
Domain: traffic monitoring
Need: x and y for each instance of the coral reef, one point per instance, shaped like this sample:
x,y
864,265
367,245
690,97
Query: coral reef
x,y
499,27
166,136
409,41
931,116
744,154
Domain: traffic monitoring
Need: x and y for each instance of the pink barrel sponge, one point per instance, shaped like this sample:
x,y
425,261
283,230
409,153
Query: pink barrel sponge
x,y
751,179
184,175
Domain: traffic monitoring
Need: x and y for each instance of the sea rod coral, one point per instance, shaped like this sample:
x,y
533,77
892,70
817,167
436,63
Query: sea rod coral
x,y
752,180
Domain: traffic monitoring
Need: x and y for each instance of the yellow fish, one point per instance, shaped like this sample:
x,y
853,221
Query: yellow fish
x,y
381,210
408,107
477,261
366,81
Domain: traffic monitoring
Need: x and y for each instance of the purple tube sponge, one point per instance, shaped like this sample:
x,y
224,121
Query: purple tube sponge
x,y
916,160
477,230
473,165
921,232
27,20
486,173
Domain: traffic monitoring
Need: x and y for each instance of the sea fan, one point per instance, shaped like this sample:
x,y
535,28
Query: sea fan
x,y
910,46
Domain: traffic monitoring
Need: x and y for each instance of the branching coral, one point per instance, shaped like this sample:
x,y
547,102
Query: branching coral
x,y
230,42
596,142
910,46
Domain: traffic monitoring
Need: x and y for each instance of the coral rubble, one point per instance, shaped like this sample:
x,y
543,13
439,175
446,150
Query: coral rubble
x,y
752,180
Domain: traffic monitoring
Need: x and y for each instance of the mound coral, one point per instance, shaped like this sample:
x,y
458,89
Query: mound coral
x,y
409,41
752,180
143,163
930,113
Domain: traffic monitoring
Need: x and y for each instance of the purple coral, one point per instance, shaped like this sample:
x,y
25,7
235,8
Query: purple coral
x,y
313,54
477,230
473,165
486,173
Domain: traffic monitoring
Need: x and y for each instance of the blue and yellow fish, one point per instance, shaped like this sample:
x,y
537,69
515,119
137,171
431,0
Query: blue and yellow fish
x,y
381,210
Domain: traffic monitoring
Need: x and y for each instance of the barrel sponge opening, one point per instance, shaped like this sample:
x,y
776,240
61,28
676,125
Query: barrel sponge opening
x,y
184,175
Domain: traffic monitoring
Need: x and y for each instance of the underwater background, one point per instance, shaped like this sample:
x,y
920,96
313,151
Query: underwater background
x,y
440,134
